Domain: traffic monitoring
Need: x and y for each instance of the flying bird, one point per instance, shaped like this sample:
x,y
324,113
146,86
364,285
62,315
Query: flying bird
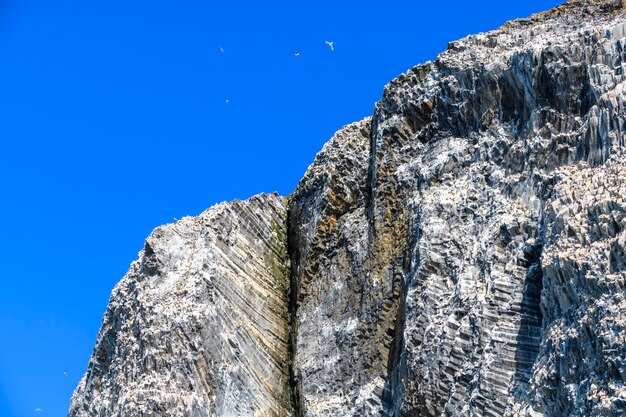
x,y
226,101
222,50
331,44
38,410
296,54
64,373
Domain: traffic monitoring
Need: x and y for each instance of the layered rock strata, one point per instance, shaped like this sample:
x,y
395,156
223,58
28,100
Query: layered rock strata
x,y
459,253
199,324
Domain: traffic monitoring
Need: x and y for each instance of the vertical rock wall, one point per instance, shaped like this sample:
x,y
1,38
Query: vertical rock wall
x,y
343,311
448,266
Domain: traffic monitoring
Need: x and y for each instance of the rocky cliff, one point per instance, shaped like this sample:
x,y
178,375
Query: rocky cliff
x,y
199,325
459,253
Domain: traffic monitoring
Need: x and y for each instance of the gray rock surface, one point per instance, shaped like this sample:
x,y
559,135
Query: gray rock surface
x,y
342,312
467,150
199,324
459,253
581,366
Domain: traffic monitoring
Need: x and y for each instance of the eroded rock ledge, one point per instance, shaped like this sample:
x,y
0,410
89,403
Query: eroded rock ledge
x,y
459,253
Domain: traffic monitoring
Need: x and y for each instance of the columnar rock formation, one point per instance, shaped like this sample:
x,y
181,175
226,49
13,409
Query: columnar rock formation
x,y
459,253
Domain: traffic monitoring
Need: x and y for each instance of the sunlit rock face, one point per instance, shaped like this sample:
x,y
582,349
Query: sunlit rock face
x,y
581,365
469,151
199,325
458,253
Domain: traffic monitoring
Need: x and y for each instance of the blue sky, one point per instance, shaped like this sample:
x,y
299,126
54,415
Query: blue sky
x,y
114,120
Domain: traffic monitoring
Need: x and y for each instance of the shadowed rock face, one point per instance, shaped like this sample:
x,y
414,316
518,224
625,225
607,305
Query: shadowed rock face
x,y
459,253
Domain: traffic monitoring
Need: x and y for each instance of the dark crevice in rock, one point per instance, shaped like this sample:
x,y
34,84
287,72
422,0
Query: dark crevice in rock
x,y
528,339
294,381
396,366
617,258
371,177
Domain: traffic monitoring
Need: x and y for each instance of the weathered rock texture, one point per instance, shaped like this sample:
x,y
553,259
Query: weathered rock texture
x,y
467,150
459,253
199,325
342,311
581,366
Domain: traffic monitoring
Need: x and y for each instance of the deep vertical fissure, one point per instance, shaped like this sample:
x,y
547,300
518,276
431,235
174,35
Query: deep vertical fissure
x,y
393,391
531,320
397,265
292,252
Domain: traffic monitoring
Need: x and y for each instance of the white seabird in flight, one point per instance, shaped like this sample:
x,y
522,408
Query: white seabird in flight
x,y
331,44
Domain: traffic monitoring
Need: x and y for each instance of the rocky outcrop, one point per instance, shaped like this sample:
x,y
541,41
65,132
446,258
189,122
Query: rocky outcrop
x,y
459,253
199,325
581,365
467,150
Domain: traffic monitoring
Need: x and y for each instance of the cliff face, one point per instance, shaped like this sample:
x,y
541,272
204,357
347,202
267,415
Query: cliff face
x,y
470,150
199,324
459,253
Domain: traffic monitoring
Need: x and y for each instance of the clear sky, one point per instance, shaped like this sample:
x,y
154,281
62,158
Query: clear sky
x,y
114,119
